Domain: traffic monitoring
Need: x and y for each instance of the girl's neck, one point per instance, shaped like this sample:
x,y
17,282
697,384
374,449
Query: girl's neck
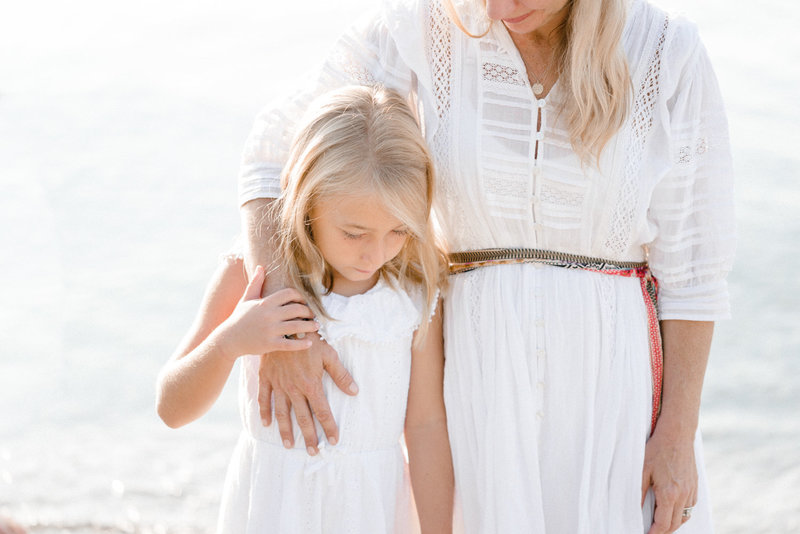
x,y
348,288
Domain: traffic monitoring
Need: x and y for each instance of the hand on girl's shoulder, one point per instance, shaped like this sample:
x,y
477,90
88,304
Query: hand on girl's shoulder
x,y
259,325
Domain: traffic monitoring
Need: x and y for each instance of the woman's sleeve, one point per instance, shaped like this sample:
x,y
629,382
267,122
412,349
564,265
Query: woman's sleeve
x,y
364,55
692,208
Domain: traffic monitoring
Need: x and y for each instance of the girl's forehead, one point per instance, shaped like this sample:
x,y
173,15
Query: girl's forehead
x,y
365,210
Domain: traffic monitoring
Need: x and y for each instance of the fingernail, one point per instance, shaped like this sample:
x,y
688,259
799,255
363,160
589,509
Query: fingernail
x,y
287,444
353,388
332,440
311,451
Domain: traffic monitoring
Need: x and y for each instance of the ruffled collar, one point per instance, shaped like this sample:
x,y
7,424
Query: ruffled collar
x,y
383,314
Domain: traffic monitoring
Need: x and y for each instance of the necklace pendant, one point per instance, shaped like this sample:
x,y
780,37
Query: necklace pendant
x,y
537,88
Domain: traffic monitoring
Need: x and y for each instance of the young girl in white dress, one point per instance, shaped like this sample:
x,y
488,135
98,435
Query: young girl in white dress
x,y
355,222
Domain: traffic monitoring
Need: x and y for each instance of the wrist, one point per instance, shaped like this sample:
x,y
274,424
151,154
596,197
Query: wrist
x,y
680,426
222,341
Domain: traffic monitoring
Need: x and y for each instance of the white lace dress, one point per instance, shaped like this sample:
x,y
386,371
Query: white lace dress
x,y
361,484
547,379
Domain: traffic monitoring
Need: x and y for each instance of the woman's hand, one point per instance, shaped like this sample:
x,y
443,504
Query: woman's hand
x,y
670,468
259,325
293,380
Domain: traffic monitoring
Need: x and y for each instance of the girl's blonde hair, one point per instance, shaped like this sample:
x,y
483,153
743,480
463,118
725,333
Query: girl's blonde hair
x,y
593,69
360,141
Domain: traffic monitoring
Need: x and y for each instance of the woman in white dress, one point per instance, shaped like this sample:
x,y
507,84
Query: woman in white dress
x,y
590,129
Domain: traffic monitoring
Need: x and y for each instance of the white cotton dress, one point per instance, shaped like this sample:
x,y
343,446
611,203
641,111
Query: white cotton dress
x,y
360,485
547,372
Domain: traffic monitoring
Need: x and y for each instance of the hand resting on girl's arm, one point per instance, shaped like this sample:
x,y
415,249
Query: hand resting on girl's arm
x,y
233,321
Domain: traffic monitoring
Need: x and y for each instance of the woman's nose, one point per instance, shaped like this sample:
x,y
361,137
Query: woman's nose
x,y
500,9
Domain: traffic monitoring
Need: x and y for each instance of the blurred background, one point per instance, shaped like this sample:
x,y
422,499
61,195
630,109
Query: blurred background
x,y
121,126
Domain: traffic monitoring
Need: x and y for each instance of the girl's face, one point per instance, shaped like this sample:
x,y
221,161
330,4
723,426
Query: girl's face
x,y
527,16
357,236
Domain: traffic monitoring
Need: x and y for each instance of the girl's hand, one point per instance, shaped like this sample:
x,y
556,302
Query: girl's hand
x,y
670,468
260,325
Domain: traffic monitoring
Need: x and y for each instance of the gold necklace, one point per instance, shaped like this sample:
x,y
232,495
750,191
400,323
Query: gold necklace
x,y
536,83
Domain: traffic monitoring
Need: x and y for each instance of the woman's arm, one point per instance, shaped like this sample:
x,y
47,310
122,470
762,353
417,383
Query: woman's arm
x,y
669,464
224,329
290,379
426,436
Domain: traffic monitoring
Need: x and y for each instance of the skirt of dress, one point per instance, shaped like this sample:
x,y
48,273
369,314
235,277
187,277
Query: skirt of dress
x,y
269,489
548,395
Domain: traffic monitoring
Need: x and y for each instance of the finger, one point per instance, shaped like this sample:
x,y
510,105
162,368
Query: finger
x,y
305,421
646,482
282,414
341,376
662,518
293,310
264,391
265,403
290,345
286,296
677,518
322,412
253,289
294,327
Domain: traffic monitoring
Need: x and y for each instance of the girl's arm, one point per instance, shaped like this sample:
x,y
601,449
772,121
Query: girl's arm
x,y
232,321
428,445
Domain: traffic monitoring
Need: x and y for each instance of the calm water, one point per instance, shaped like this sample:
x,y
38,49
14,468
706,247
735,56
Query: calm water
x,y
120,131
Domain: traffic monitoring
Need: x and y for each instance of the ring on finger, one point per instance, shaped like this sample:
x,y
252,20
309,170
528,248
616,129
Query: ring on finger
x,y
687,512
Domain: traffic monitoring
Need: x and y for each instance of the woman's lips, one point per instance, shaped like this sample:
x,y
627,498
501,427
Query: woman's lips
x,y
518,19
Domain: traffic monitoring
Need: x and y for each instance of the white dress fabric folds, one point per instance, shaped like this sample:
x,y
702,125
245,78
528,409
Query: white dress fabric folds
x,y
361,484
547,378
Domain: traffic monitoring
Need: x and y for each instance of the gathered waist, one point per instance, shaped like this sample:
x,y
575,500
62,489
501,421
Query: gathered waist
x,y
461,262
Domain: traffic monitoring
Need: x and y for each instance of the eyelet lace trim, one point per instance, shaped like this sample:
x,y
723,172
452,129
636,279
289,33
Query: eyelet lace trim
x,y
642,117
494,72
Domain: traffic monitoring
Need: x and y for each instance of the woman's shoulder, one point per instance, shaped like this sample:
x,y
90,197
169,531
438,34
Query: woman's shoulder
x,y
655,37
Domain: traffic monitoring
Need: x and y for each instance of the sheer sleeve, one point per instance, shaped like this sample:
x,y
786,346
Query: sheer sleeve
x,y
364,55
692,205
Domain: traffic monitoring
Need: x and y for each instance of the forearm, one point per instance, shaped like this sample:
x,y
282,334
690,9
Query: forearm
x,y
431,467
189,386
686,347
259,229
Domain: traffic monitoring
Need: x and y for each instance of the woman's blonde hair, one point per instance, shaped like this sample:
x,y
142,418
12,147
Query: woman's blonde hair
x,y
360,141
592,68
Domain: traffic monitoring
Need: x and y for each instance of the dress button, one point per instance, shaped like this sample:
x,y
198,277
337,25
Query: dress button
x,y
539,322
541,353
540,415
540,384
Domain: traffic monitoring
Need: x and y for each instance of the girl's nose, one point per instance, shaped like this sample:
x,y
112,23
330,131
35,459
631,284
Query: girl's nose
x,y
375,252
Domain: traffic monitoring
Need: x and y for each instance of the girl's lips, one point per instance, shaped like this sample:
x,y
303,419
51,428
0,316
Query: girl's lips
x,y
518,19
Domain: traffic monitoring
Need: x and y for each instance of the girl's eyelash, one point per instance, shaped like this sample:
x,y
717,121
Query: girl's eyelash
x,y
401,232
348,235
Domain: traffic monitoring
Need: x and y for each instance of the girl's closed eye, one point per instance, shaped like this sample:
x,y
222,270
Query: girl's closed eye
x,y
348,235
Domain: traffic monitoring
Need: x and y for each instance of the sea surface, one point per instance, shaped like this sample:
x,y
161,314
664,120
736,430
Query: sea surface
x,y
121,126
